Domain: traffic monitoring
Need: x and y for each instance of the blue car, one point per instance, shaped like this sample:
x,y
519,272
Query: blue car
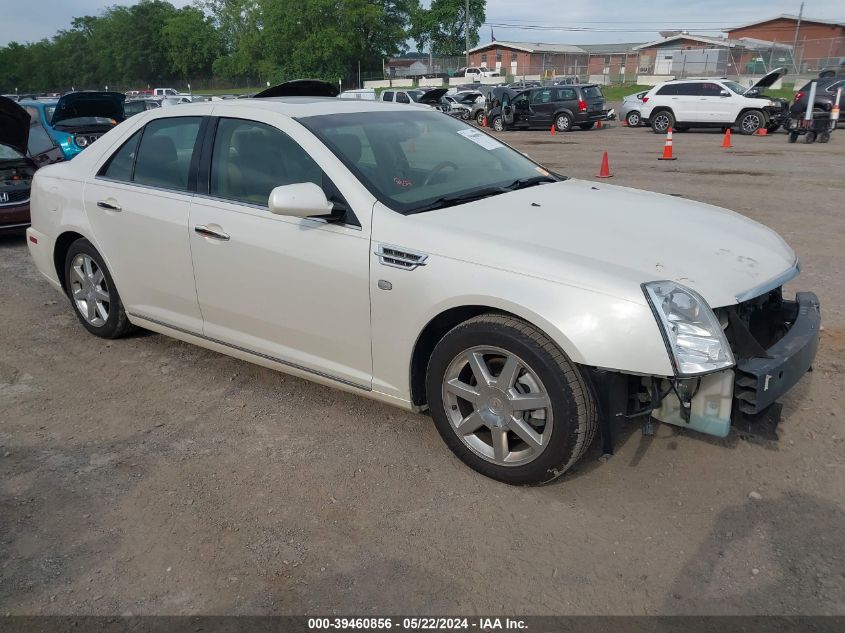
x,y
76,119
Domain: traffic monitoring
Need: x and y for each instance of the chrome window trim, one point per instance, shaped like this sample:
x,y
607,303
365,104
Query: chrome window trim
x,y
274,359
788,275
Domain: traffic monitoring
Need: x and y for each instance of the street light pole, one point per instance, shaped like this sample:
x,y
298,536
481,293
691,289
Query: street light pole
x,y
466,29
795,41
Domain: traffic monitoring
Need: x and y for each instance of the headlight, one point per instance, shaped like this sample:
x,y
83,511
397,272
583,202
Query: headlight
x,y
81,141
693,336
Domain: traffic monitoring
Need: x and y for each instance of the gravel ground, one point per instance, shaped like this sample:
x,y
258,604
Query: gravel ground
x,y
148,476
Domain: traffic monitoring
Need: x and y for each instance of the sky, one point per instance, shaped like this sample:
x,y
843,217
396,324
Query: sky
x,y
618,20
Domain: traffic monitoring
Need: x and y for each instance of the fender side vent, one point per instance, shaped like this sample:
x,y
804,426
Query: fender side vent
x,y
397,257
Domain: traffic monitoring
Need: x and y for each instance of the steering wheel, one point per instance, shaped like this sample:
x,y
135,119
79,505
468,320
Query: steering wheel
x,y
437,169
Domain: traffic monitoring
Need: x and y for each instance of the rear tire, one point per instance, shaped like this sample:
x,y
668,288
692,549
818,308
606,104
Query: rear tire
x,y
662,121
92,293
586,126
633,119
479,118
498,124
482,377
793,136
563,122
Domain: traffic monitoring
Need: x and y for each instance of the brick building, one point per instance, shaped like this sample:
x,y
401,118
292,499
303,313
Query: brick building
x,y
820,43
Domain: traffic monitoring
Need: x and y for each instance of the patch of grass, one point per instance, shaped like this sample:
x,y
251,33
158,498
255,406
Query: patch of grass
x,y
617,93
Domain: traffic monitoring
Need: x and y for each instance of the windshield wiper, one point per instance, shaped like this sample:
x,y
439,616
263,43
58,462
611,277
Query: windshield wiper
x,y
479,194
522,183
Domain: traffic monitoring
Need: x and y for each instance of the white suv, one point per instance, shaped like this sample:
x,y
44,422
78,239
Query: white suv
x,y
713,103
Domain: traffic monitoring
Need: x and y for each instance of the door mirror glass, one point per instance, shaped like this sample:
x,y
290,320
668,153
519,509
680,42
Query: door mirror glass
x,y
724,93
301,200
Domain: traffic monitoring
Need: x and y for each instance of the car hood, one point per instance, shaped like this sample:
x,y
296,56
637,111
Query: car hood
x,y
610,239
14,125
74,105
300,88
768,80
432,96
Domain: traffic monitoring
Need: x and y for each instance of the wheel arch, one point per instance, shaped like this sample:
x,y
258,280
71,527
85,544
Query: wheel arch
x,y
443,322
62,245
748,109
565,111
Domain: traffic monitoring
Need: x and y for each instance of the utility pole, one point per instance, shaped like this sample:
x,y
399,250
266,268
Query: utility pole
x,y
795,41
466,29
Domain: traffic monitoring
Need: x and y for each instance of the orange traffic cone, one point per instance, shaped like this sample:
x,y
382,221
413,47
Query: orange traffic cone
x,y
598,125
625,122
484,121
762,131
726,142
553,131
604,172
667,147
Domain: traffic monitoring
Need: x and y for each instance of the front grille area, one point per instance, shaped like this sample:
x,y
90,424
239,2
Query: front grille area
x,y
14,196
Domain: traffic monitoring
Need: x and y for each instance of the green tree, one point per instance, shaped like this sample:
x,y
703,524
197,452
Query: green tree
x,y
192,42
444,25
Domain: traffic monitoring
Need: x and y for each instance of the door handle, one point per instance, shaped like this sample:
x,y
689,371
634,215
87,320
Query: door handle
x,y
108,205
207,232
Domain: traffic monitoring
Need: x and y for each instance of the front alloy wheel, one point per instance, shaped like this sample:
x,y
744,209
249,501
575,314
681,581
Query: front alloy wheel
x,y
508,401
497,406
751,121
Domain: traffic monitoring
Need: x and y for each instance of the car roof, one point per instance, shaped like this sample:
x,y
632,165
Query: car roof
x,y
298,107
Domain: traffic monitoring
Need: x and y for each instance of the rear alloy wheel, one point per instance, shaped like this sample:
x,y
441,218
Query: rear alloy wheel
x,y
563,123
498,124
508,402
92,292
751,121
479,118
662,121
633,119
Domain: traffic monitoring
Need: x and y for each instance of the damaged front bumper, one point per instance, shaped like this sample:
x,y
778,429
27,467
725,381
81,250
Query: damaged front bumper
x,y
775,342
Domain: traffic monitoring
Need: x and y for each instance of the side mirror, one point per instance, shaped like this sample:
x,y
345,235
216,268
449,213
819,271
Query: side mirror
x,y
301,200
724,93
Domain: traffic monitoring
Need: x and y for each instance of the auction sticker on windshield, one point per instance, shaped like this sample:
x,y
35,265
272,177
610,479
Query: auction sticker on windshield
x,y
480,138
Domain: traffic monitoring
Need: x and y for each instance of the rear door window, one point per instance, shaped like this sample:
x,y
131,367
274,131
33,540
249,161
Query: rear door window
x,y
565,94
164,156
690,90
119,166
387,96
668,90
401,97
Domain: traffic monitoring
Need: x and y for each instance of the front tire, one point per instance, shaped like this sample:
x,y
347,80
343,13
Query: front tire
x,y
508,402
633,119
749,122
479,117
93,295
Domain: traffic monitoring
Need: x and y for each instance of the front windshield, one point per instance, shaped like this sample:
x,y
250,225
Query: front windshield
x,y
734,87
415,161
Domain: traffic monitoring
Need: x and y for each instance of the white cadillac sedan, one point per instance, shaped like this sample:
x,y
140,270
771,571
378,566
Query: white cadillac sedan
x,y
406,256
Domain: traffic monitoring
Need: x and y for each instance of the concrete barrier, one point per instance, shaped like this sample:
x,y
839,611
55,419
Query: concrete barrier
x,y
390,83
653,80
431,81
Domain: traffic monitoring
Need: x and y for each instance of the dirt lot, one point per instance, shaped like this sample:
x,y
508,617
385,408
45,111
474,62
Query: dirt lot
x,y
148,476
